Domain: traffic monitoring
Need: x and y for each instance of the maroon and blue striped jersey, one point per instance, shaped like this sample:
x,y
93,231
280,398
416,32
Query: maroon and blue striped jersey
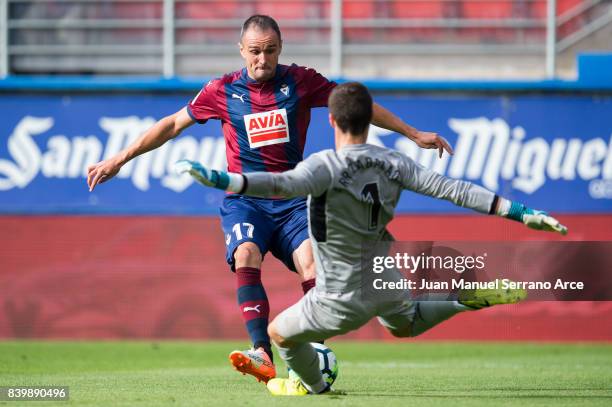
x,y
264,124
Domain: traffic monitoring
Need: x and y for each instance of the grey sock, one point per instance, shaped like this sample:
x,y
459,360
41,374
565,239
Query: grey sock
x,y
431,313
304,361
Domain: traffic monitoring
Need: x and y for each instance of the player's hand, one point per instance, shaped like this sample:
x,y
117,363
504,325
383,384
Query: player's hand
x,y
211,178
102,172
200,173
540,220
429,140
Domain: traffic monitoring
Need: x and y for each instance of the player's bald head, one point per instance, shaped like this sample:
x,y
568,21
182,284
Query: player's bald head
x,y
262,23
350,105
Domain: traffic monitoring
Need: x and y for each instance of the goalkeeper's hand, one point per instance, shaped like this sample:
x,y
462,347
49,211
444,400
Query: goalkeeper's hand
x,y
532,218
209,177
540,220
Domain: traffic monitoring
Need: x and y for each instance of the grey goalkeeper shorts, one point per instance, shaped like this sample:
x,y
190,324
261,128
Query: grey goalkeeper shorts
x,y
318,316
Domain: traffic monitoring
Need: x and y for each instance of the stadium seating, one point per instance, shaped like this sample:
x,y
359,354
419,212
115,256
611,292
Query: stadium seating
x,y
372,23
210,10
218,9
293,10
538,7
354,10
419,9
416,10
487,9
358,10
539,11
285,10
368,10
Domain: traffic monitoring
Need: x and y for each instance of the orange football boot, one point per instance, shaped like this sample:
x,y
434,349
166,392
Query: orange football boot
x,y
255,362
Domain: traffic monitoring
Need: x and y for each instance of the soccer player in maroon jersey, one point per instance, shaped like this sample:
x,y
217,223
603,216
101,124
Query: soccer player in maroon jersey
x,y
264,110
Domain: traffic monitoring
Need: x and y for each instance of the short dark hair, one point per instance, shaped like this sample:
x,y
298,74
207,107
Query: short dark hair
x,y
262,22
350,104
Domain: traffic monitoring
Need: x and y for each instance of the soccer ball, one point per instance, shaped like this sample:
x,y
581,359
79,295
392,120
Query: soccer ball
x,y
327,363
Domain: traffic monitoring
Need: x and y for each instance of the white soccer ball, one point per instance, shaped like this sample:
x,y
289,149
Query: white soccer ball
x,y
327,363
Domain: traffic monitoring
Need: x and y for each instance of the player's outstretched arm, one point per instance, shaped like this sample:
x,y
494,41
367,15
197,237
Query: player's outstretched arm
x,y
309,177
382,117
162,131
468,195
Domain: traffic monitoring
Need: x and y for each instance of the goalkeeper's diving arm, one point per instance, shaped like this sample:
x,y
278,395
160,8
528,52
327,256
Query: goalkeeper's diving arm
x,y
301,182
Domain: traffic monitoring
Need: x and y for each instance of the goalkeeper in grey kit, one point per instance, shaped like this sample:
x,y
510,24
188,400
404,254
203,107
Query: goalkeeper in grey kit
x,y
353,191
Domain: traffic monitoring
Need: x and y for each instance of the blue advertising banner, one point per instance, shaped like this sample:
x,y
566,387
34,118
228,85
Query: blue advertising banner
x,y
551,152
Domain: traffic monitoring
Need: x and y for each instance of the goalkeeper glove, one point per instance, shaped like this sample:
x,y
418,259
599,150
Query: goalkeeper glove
x,y
226,181
532,218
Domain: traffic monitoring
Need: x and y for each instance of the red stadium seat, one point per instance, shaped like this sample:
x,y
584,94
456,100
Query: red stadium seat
x,y
292,10
139,11
283,10
566,5
211,10
487,9
538,8
352,9
539,11
208,10
418,9
136,10
360,9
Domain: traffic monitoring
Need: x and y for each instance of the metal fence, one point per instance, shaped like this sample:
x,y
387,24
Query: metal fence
x,y
198,37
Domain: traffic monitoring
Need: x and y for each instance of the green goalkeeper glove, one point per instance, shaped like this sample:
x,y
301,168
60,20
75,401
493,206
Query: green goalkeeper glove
x,y
226,181
532,218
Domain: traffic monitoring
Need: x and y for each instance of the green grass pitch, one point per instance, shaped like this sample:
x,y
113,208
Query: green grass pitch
x,y
371,373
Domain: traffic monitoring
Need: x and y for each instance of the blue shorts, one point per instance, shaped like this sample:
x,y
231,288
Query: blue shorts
x,y
276,225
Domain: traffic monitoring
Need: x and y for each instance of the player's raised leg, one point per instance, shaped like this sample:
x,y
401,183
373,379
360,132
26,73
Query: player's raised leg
x,y
412,318
485,297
